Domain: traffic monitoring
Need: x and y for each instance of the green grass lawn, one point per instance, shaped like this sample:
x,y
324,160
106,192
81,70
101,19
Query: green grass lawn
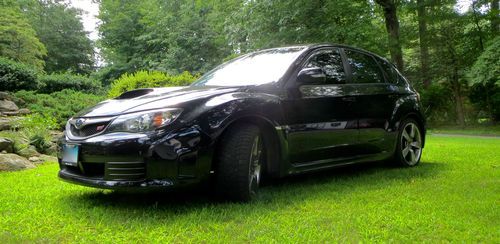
x,y
453,196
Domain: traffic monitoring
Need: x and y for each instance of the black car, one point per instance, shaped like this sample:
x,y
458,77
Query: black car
x,y
271,113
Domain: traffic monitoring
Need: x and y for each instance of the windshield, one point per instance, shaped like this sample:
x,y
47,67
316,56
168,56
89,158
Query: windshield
x,y
252,69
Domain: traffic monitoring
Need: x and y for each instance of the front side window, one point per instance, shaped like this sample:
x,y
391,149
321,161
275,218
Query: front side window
x,y
330,62
364,68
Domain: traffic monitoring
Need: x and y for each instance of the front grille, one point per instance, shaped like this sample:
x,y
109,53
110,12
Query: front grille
x,y
124,171
93,169
89,130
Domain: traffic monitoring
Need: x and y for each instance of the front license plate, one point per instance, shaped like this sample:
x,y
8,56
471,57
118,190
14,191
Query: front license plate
x,y
70,155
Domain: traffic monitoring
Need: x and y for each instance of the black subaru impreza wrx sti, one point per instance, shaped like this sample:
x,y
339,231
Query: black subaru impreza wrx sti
x,y
272,113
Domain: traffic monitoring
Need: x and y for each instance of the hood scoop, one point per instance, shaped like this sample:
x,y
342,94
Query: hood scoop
x,y
134,93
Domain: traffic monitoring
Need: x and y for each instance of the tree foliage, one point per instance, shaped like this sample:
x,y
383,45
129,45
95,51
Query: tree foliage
x,y
487,67
18,39
194,36
60,29
447,53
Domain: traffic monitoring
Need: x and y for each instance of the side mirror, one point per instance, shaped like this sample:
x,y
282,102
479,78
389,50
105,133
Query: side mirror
x,y
311,75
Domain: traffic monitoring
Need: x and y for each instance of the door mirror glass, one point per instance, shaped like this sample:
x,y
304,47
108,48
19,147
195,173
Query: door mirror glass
x,y
313,75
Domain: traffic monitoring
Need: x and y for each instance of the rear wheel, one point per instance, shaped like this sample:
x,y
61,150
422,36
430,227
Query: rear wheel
x,y
409,147
239,163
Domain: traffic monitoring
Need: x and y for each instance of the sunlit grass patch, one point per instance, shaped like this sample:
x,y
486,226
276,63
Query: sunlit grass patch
x,y
452,196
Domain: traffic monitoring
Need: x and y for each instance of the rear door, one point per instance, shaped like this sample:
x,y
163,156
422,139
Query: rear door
x,y
375,101
321,117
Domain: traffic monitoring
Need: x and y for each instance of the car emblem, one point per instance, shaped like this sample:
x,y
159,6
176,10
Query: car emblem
x,y
79,123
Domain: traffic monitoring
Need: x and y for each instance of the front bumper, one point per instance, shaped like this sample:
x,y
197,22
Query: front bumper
x,y
138,161
67,176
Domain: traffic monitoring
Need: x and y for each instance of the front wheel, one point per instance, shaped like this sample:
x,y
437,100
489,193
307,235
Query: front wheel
x,y
409,145
239,163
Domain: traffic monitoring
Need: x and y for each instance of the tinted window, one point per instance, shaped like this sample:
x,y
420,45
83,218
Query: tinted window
x,y
364,68
330,62
390,72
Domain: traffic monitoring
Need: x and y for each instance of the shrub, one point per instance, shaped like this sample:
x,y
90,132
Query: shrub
x,y
16,76
148,79
36,128
60,105
438,104
58,82
486,98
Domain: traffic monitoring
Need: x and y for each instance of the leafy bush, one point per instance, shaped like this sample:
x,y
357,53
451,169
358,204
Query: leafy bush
x,y
36,128
148,79
486,98
438,104
60,105
16,76
58,82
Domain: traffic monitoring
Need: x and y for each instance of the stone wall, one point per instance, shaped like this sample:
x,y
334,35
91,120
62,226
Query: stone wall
x,y
13,158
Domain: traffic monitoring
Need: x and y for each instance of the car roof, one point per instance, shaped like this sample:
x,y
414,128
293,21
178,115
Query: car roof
x,y
314,46
321,45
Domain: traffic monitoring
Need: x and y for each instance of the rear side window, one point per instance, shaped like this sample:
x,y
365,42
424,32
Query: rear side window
x,y
364,68
390,72
330,61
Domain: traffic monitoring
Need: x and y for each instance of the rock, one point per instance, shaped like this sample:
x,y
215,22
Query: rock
x,y
34,159
28,152
52,149
13,162
10,113
5,96
8,106
56,135
24,111
6,145
8,123
5,124
43,159
47,159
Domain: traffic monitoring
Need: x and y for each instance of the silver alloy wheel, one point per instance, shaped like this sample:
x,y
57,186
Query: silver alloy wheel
x,y
255,165
411,144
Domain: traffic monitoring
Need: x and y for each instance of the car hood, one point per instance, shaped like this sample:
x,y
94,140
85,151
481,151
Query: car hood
x,y
146,99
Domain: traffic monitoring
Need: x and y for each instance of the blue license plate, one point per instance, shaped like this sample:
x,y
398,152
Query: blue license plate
x,y
70,155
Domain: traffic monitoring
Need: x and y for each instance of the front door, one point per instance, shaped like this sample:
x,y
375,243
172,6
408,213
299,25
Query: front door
x,y
322,123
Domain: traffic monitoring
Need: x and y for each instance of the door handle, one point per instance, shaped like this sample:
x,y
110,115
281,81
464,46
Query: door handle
x,y
349,99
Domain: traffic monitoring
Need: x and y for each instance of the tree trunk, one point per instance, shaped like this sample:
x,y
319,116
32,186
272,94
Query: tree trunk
x,y
392,25
459,106
424,49
478,26
495,20
457,94
456,87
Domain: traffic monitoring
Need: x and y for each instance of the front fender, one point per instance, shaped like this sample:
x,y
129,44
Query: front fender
x,y
217,113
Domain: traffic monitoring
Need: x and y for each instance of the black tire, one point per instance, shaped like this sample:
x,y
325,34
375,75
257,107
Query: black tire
x,y
409,146
239,165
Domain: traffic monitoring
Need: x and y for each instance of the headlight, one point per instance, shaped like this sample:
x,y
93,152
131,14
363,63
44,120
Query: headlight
x,y
144,121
